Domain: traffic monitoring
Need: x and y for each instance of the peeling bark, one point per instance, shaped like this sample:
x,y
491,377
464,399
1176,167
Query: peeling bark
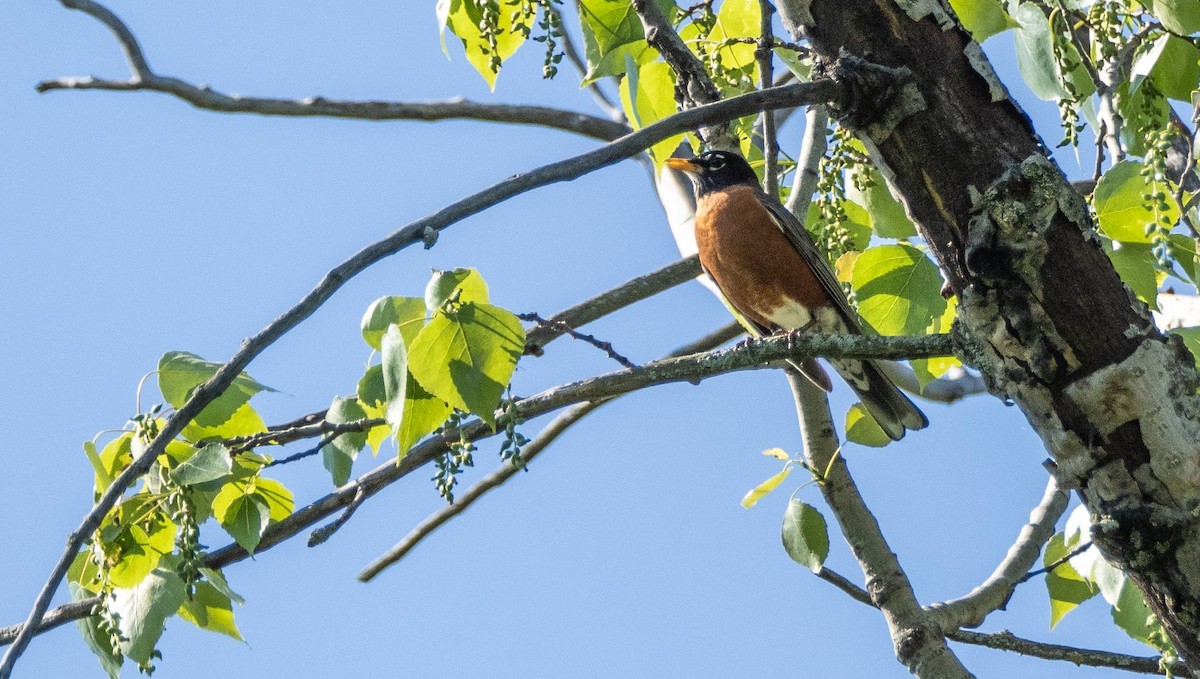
x,y
1042,312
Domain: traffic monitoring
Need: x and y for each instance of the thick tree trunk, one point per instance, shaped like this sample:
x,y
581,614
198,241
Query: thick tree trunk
x,y
1045,317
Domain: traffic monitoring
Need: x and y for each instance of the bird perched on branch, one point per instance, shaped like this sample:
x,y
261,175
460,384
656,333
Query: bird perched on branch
x,y
770,271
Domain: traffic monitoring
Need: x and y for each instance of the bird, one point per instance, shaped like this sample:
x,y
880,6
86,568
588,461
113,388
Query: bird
x,y
768,269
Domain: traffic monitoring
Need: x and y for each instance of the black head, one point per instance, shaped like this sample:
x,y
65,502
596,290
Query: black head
x,y
715,170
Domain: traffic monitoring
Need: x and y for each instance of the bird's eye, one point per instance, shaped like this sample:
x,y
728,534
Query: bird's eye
x,y
717,163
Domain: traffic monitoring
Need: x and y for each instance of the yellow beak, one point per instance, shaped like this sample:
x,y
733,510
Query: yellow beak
x,y
683,165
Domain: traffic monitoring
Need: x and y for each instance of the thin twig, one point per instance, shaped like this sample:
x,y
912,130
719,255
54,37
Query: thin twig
x,y
1098,170
1079,549
562,326
508,470
766,59
283,436
320,535
144,79
415,232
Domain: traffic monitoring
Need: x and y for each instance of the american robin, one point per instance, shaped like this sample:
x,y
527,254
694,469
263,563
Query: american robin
x,y
770,271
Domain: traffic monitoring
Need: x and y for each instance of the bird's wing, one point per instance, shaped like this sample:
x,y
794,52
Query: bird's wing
x,y
798,236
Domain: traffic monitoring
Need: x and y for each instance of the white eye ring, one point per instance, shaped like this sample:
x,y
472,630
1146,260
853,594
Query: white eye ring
x,y
717,163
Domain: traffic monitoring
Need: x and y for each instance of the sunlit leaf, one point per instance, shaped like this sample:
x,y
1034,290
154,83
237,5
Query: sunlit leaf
x,y
243,514
777,453
648,95
982,18
463,17
885,214
276,496
898,289
805,535
613,36
1178,16
1067,589
862,429
763,489
1136,265
143,610
1121,211
466,357
406,312
179,373
929,369
211,610
339,452
99,642
209,463
463,285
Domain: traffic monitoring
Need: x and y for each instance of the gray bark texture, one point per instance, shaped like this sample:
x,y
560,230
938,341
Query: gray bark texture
x,y
1041,311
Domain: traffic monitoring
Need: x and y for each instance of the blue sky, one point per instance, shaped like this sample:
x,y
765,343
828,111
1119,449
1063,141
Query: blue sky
x,y
135,225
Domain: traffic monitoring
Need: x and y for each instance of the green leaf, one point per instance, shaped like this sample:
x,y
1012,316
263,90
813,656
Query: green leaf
x,y
466,357
885,214
805,535
463,17
1120,209
1191,340
412,411
862,429
210,609
761,490
145,536
207,464
929,369
1173,64
1066,587
982,18
1183,249
406,312
898,289
339,453
371,390
96,640
1136,265
613,35
1178,16
217,579
243,514
245,421
144,609
111,461
647,96
737,19
1132,614
1141,112
463,285
276,496
179,373
1035,56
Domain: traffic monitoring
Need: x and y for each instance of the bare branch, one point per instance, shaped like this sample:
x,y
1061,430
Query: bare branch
x,y
605,303
563,327
420,231
1007,641
143,79
693,85
506,471
812,149
918,641
766,59
994,593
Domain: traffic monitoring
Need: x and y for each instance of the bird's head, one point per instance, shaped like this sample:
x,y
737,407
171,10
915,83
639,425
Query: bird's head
x,y
714,170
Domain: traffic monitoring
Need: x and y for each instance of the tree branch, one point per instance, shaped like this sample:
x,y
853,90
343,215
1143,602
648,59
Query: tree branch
x,y
693,367
421,231
812,149
916,637
607,302
507,470
765,59
144,79
994,593
1007,641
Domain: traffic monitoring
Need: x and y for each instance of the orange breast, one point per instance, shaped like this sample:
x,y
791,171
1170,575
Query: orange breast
x,y
751,259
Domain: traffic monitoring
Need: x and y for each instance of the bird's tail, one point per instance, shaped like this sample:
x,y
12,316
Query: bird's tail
x,y
894,412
